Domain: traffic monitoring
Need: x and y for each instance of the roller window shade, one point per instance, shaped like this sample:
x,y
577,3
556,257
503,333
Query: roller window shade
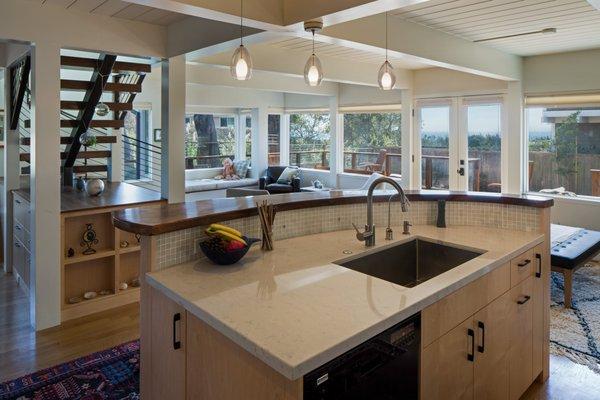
x,y
564,100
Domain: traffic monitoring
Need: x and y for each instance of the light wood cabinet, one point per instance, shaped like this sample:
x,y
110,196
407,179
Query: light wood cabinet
x,y
492,338
496,351
521,338
168,341
447,365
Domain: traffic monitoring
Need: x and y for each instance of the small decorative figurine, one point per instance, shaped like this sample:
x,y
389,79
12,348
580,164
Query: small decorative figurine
x,y
89,239
138,237
124,244
70,252
79,184
123,286
135,282
90,295
317,184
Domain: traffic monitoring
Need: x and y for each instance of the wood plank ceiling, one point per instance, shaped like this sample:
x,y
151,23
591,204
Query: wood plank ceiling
x,y
338,51
118,9
577,22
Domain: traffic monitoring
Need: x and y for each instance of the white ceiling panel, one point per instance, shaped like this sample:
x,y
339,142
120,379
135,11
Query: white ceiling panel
x,y
337,51
117,9
576,21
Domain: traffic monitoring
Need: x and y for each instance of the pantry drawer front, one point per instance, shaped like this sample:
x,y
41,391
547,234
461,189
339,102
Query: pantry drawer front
x,y
21,233
21,211
522,267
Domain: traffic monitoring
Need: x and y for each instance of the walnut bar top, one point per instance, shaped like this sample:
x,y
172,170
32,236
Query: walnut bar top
x,y
115,194
173,217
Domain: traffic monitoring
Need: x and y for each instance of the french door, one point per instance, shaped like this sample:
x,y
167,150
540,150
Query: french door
x,y
458,144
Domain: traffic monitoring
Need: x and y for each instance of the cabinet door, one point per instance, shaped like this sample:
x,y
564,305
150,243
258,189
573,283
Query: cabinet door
x,y
492,343
168,345
541,256
521,338
447,365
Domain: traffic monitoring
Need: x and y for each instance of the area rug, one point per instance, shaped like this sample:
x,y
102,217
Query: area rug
x,y
575,333
111,374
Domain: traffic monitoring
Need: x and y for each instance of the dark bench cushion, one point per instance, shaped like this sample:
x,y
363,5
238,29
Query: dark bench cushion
x,y
575,249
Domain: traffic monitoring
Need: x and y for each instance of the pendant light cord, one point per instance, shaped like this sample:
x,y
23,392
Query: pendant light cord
x,y
241,22
313,40
386,36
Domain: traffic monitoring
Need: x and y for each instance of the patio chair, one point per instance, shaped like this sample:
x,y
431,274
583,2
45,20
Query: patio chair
x,y
377,166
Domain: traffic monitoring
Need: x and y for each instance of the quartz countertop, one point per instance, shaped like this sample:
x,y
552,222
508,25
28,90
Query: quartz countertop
x,y
294,309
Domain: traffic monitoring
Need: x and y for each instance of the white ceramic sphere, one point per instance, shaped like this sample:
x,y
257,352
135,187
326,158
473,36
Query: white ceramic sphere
x,y
94,187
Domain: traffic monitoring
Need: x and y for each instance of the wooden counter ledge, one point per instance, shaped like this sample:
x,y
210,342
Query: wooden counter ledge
x,y
173,217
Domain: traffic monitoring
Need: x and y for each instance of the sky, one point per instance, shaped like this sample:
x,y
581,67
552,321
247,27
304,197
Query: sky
x,y
481,119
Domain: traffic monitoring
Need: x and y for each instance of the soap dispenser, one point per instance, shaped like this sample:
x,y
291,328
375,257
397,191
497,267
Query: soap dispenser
x,y
441,214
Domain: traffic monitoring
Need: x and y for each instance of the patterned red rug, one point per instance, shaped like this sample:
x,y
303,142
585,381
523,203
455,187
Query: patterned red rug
x,y
111,374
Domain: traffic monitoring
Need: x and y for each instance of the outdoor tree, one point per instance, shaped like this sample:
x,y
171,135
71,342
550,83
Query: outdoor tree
x,y
566,147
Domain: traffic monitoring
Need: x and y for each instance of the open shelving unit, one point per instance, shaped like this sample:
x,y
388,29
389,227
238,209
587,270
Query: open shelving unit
x,y
113,263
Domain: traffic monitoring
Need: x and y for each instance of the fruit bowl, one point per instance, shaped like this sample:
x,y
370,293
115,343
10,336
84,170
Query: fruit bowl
x,y
220,256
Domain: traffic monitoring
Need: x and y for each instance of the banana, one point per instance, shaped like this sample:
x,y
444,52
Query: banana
x,y
225,228
225,235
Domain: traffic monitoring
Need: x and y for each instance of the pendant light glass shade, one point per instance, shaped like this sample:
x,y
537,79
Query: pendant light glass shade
x,y
313,71
241,64
386,77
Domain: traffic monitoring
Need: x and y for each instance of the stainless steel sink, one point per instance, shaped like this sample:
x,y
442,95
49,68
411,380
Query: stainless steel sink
x,y
412,263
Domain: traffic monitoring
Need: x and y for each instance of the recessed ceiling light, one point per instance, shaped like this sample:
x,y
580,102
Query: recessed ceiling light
x,y
544,31
595,4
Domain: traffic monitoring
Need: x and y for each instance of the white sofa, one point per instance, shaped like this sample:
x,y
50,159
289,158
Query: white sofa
x,y
200,180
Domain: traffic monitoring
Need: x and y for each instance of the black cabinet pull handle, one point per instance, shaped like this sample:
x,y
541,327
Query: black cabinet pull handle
x,y
18,201
524,263
18,227
471,355
525,300
176,343
481,326
538,274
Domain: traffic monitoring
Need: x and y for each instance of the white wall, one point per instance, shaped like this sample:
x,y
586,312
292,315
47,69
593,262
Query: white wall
x,y
437,82
563,72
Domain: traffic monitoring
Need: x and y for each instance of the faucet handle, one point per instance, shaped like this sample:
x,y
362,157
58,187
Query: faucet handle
x,y
362,236
406,227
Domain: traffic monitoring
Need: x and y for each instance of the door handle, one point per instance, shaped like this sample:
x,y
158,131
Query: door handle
x,y
176,343
481,326
471,355
461,171
538,274
524,300
524,263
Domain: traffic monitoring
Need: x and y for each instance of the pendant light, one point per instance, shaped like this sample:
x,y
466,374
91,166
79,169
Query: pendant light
x,y
313,71
241,62
386,77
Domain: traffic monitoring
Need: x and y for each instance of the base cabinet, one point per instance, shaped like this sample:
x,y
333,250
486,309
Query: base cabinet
x,y
497,352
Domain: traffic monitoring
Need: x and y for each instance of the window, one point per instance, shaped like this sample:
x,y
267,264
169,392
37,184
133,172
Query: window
x,y
209,139
435,146
564,149
372,143
274,139
484,147
248,136
309,140
138,153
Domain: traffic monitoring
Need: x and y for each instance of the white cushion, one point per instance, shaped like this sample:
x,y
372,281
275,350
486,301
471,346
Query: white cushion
x,y
200,185
202,173
224,184
371,179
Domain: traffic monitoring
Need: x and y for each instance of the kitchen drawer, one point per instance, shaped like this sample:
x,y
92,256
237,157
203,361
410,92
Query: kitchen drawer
x,y
444,315
22,234
21,211
522,267
20,260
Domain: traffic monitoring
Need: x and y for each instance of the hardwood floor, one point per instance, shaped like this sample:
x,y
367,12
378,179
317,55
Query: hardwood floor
x,y
23,351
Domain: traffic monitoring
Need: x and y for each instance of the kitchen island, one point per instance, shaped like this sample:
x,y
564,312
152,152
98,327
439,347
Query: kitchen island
x,y
255,329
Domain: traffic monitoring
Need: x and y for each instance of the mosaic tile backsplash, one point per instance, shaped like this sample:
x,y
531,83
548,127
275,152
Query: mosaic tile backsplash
x,y
180,246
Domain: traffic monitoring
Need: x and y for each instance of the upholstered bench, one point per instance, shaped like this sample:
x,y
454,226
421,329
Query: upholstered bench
x,y
572,248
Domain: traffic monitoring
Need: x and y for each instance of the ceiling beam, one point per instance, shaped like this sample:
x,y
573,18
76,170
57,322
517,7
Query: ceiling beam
x,y
430,46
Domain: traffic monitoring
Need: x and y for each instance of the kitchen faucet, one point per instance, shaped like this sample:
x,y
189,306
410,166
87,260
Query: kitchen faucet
x,y
368,236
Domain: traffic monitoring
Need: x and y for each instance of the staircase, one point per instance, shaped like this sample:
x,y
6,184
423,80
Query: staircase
x,y
108,78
